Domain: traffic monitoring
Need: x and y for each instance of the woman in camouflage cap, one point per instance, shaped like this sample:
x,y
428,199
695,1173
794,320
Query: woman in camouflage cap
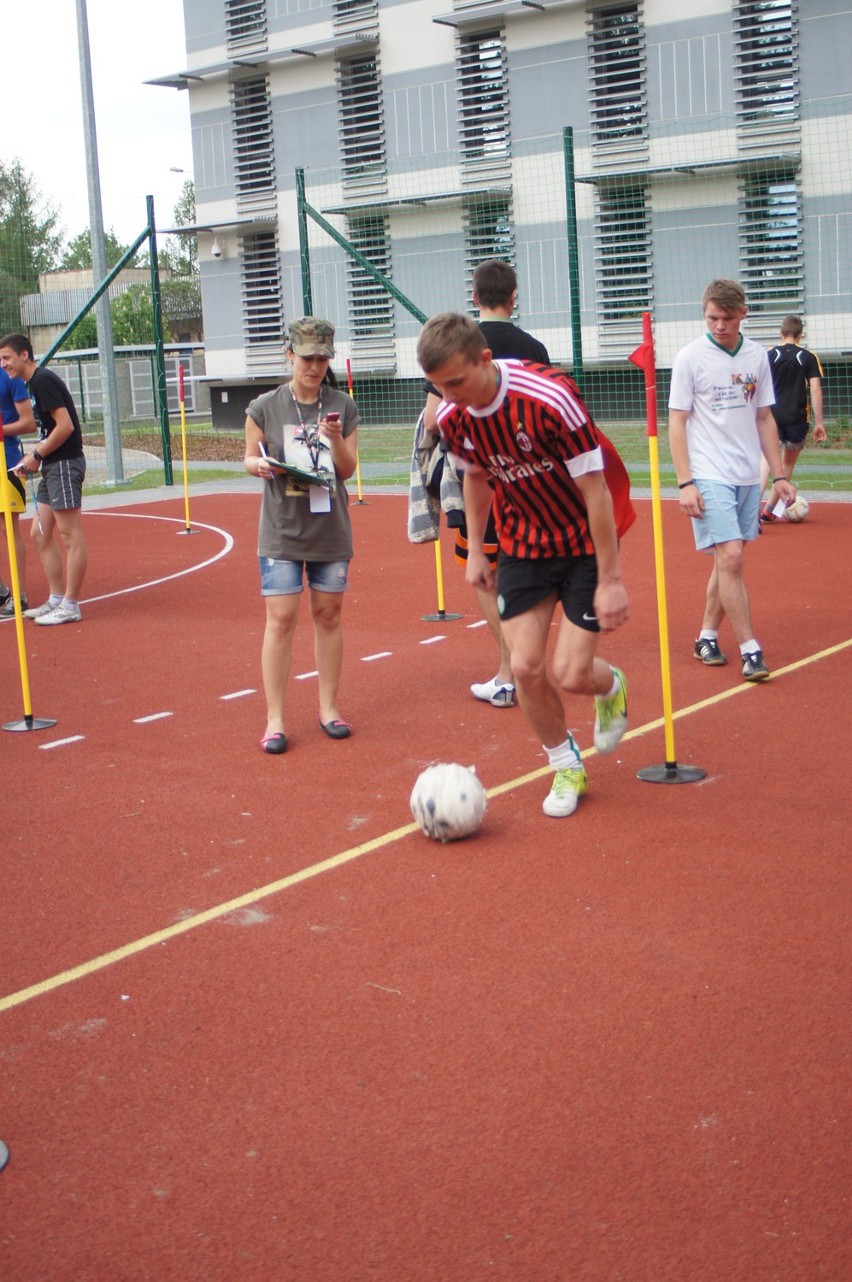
x,y
302,440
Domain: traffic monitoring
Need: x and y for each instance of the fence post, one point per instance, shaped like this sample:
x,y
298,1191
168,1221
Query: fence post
x,y
157,307
573,257
304,249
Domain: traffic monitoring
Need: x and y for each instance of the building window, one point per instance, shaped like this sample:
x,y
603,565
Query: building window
x,y
263,320
616,60
488,233
766,61
245,23
370,304
362,128
483,96
254,157
623,254
771,257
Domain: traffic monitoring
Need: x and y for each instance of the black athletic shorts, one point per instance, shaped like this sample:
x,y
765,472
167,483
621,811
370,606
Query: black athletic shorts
x,y
521,585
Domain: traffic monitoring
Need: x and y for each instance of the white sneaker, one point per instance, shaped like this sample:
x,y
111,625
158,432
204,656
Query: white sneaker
x,y
495,693
61,614
566,790
38,610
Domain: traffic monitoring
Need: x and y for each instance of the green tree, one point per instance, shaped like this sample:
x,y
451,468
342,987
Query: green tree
x,y
29,240
77,254
180,253
132,317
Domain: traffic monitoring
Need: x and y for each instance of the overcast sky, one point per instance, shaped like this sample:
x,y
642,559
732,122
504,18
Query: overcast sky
x,y
143,131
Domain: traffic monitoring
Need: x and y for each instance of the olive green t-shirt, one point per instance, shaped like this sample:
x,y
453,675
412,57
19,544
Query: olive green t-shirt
x,y
289,530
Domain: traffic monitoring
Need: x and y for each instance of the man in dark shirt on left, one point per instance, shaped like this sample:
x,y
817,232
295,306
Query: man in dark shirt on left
x,y
59,497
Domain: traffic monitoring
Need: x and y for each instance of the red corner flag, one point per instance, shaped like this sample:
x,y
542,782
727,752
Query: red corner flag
x,y
644,358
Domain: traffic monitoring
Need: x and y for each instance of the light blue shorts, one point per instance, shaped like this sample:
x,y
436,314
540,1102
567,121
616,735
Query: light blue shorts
x,y
730,512
284,578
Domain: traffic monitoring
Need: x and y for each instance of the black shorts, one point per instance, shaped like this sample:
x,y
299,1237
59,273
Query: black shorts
x,y
521,585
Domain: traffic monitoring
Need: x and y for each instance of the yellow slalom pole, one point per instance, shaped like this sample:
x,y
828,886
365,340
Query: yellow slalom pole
x,y
671,772
7,498
441,616
357,454
182,401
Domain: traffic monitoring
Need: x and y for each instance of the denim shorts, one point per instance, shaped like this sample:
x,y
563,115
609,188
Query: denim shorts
x,y
284,578
730,513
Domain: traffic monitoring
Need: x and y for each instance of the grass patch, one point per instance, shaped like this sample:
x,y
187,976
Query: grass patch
x,y
153,479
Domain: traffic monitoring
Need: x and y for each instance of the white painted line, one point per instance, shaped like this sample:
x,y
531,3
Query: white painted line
x,y
305,676
60,743
383,654
166,578
432,640
155,716
238,694
480,623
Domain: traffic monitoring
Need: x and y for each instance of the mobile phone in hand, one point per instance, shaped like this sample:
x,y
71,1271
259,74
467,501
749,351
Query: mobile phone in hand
x,y
333,418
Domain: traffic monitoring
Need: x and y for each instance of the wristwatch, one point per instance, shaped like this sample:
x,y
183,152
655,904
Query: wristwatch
x,y
38,456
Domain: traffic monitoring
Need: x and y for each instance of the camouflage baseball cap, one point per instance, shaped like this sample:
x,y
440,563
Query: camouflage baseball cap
x,y
311,336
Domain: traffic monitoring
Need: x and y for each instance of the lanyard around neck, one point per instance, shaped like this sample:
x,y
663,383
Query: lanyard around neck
x,y
309,434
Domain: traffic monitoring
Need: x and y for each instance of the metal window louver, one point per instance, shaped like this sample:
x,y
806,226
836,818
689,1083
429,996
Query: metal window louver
x,y
245,23
623,254
370,305
483,98
766,61
254,165
771,250
261,289
617,74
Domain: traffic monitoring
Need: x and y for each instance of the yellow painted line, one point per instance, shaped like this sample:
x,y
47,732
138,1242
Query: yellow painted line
x,y
201,919
347,856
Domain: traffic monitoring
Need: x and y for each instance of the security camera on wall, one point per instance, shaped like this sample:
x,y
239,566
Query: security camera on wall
x,y
216,248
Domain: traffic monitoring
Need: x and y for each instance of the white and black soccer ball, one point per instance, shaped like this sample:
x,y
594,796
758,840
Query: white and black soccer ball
x,y
448,801
798,509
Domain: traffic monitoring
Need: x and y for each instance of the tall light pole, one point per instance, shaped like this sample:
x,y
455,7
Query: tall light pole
x,y
106,354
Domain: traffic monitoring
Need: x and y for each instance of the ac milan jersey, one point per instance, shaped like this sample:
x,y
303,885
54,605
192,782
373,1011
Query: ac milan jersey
x,y
534,437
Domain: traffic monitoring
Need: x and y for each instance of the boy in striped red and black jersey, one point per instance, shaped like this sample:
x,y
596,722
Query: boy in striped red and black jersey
x,y
561,498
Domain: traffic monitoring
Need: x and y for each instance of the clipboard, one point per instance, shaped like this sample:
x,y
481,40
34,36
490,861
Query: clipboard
x,y
323,477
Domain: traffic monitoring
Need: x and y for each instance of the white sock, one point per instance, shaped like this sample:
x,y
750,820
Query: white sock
x,y
708,634
749,647
565,756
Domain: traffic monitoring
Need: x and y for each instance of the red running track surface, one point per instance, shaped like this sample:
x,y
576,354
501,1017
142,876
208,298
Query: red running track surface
x,y
254,1025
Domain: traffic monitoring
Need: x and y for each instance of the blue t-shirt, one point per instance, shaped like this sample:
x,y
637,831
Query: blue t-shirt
x,y
11,390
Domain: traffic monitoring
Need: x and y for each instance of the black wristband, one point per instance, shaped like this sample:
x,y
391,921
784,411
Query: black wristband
x,y
685,485
778,478
37,456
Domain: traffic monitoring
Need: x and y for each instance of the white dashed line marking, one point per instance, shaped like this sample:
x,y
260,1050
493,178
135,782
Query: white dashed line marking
x,y
155,716
432,640
480,623
60,743
383,654
305,676
238,694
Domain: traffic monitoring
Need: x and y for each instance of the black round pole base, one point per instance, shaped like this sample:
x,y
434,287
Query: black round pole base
x,y
189,531
4,1155
671,772
30,723
440,617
